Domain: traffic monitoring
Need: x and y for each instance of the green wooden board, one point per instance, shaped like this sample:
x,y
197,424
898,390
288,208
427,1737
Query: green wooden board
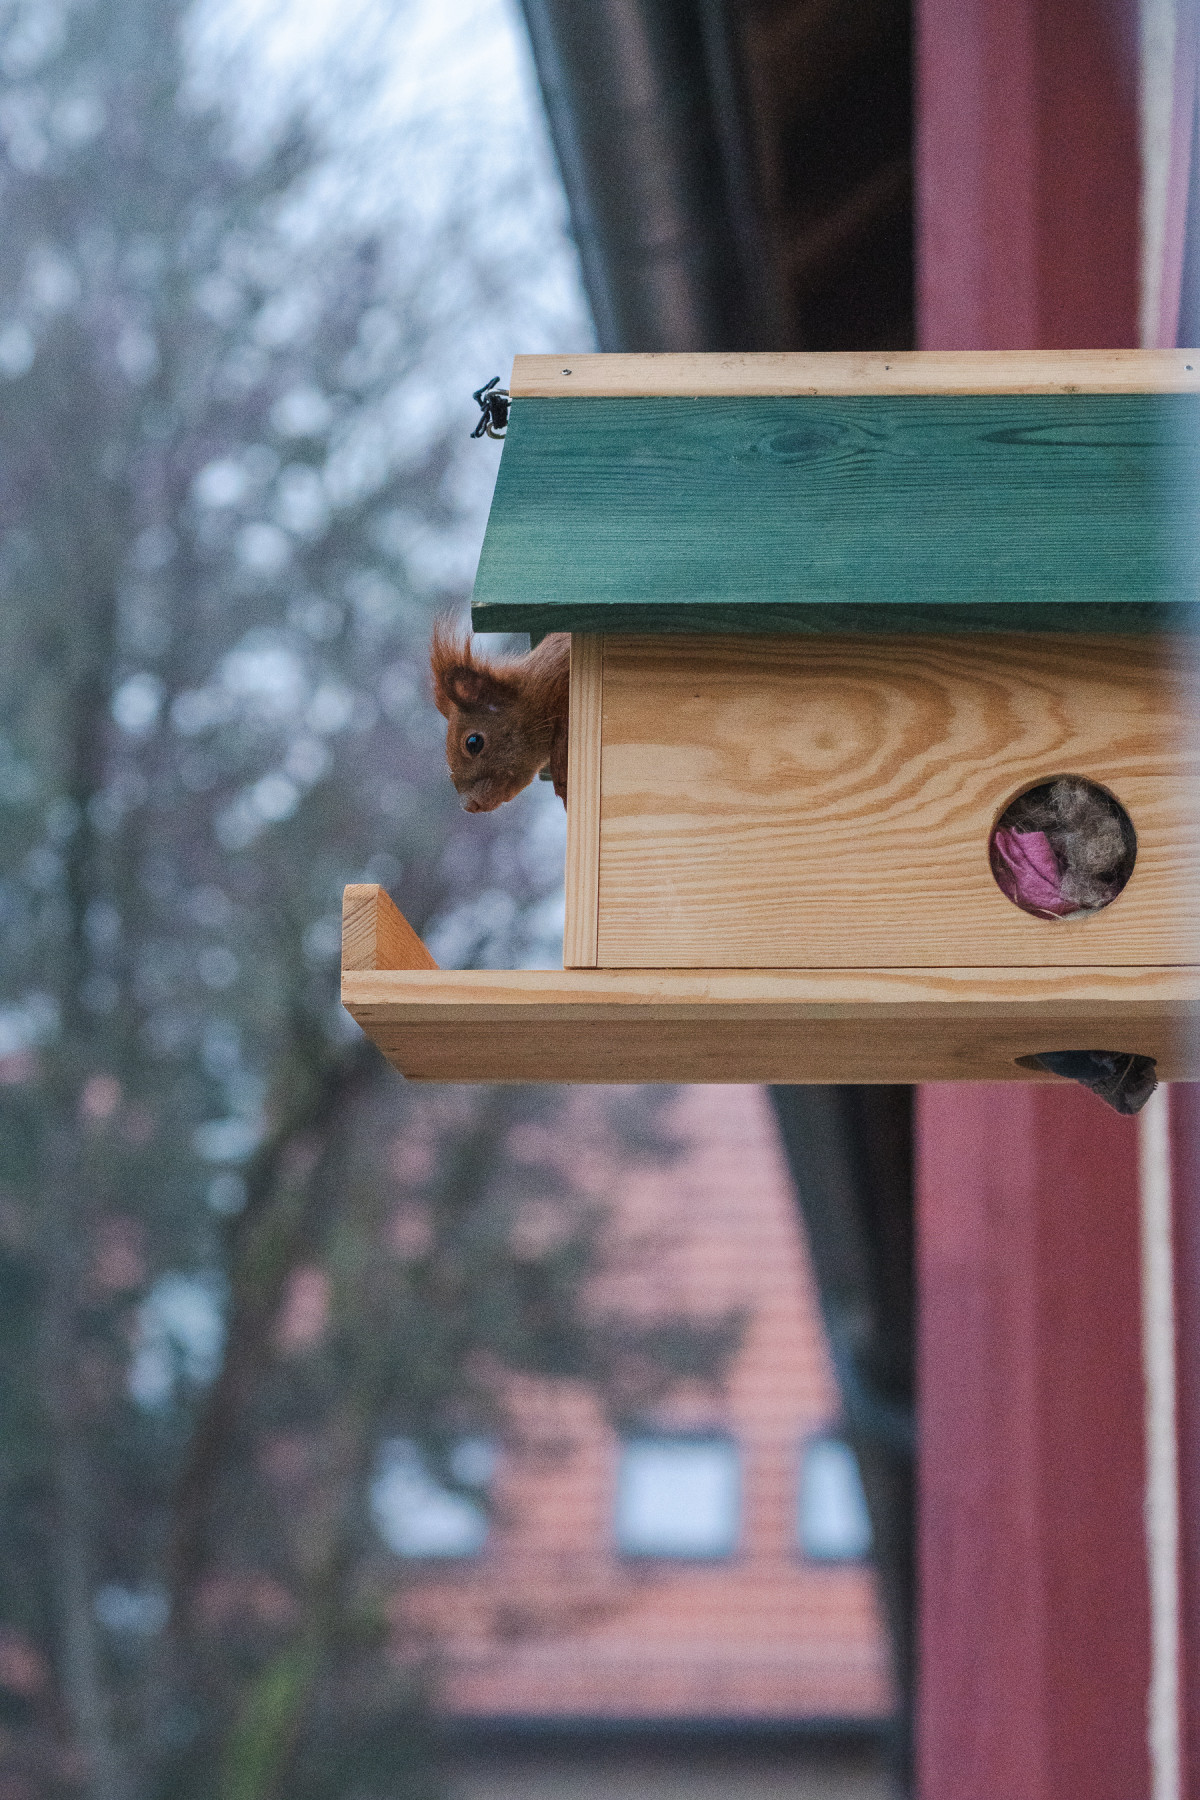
x,y
1076,512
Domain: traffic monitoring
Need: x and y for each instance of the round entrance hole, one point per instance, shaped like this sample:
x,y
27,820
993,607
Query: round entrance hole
x,y
1063,849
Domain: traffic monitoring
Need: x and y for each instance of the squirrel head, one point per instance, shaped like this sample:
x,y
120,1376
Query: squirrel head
x,y
496,736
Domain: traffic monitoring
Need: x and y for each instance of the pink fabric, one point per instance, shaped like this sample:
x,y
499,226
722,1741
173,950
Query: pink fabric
x,y
1026,868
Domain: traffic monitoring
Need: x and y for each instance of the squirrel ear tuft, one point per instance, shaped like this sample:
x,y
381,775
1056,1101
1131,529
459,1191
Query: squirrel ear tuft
x,y
467,685
449,658
458,679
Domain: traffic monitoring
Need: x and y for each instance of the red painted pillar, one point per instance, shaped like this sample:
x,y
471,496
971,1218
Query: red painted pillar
x,y
1176,324
1034,1649
1027,174
1034,1638
1185,1181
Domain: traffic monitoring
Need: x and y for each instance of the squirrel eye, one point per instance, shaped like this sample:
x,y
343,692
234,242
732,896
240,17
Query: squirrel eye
x,y
473,743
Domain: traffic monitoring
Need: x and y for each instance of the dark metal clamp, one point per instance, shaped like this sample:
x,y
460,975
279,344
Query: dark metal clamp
x,y
493,403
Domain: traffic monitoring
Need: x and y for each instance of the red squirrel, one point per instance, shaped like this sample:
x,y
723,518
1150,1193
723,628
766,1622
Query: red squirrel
x,y
506,716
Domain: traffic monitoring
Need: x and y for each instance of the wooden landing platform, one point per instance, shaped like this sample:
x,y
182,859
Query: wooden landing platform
x,y
785,1025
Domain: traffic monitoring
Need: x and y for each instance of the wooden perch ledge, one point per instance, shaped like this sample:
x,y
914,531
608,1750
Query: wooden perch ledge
x,y
741,1025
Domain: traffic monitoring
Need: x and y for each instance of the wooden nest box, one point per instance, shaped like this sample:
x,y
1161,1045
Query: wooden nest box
x,y
829,616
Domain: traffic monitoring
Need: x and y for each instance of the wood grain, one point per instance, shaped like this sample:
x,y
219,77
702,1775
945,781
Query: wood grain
x,y
827,803
1069,512
375,933
583,802
854,372
866,1025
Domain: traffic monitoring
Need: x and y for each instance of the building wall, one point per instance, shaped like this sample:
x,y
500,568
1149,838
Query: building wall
x,y
551,1621
822,1771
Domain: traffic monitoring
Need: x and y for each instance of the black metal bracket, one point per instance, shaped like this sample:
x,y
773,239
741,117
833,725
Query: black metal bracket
x,y
493,403
1120,1078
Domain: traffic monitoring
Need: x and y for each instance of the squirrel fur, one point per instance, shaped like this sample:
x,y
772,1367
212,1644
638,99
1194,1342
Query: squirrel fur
x,y
506,716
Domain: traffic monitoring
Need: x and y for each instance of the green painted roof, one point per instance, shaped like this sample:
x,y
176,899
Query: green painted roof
x,y
1076,512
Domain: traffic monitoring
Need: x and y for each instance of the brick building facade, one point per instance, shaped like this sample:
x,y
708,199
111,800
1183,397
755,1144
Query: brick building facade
x,y
705,1565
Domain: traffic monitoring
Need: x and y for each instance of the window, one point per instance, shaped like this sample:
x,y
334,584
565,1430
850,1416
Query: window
x,y
832,1523
416,1515
678,1496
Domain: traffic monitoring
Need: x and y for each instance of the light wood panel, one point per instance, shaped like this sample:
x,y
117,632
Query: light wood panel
x,y
787,1025
852,372
375,933
583,801
827,803
851,512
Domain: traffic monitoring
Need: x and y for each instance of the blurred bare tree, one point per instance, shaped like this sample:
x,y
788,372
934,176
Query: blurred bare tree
x,y
232,495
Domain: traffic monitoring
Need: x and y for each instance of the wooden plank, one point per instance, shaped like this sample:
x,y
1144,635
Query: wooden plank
x,y
375,933
851,513
789,802
693,373
583,802
868,1025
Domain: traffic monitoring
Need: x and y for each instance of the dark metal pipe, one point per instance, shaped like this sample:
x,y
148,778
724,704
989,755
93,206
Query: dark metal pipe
x,y
649,120
657,177
850,1150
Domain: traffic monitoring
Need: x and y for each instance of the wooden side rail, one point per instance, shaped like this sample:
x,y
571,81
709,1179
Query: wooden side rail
x,y
689,374
376,934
